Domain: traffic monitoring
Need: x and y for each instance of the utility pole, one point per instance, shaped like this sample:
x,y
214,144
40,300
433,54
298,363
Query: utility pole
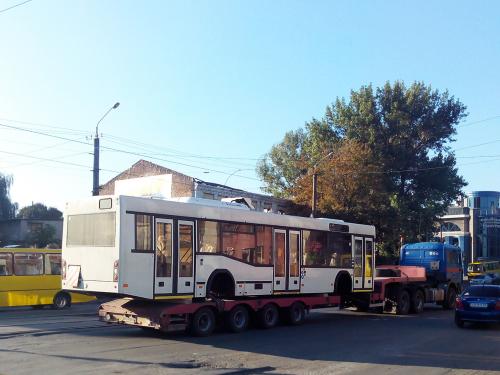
x,y
315,184
314,194
95,180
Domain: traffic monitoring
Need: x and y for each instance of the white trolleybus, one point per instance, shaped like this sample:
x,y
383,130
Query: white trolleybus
x,y
155,250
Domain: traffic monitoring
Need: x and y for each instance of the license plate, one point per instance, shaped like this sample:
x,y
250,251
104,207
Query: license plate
x,y
478,305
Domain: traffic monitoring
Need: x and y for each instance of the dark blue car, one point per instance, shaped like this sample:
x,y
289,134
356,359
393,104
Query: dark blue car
x,y
478,303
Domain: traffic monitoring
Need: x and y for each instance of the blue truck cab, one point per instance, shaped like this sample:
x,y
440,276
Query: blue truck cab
x,y
442,262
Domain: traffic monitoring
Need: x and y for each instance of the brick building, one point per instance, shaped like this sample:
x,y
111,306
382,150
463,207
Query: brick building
x,y
175,184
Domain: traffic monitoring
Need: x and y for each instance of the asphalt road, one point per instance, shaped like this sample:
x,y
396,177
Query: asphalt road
x,y
331,342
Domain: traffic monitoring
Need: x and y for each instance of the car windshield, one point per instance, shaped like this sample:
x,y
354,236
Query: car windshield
x,y
483,291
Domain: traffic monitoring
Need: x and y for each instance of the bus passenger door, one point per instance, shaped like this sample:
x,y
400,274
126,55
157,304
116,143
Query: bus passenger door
x,y
279,250
369,264
357,258
185,255
294,260
163,256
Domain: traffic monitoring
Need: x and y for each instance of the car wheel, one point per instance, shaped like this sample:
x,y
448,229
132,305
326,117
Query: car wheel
x,y
449,302
459,322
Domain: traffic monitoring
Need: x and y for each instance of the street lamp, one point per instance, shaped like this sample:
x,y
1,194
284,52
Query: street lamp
x,y
315,183
236,171
95,185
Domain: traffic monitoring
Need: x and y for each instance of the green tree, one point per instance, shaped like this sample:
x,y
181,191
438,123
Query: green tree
x,y
410,168
39,211
7,208
42,237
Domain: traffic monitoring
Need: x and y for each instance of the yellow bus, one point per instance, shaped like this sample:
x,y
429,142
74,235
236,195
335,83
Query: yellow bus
x,y
32,277
482,267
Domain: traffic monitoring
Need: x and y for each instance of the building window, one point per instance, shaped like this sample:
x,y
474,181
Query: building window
x,y
208,195
143,233
450,227
477,202
35,227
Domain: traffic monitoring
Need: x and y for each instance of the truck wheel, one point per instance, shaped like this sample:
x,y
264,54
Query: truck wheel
x,y
237,319
268,316
61,301
449,301
417,302
295,314
403,302
202,322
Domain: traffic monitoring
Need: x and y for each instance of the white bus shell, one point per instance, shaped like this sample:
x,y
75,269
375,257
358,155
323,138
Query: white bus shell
x,y
117,270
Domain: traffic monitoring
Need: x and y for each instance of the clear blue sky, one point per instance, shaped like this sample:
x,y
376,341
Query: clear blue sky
x,y
224,79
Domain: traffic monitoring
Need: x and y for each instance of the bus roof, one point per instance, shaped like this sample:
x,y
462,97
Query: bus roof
x,y
28,250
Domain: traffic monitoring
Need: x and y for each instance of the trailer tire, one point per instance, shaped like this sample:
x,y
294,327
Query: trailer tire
x,y
268,316
202,322
237,319
295,314
449,301
403,302
417,302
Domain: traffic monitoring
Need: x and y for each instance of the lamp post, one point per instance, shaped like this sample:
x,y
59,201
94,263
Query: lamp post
x,y
236,171
95,184
315,184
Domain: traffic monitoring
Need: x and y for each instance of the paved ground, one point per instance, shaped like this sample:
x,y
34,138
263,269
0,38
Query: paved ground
x,y
331,342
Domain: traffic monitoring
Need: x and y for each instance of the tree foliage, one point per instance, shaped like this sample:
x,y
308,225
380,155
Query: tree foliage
x,y
383,157
7,208
42,237
39,211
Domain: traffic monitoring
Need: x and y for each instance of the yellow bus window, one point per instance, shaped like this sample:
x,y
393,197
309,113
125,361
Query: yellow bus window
x,y
26,264
5,264
52,264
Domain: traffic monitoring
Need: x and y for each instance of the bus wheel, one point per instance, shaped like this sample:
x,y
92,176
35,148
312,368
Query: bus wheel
x,y
268,316
202,322
417,302
61,301
237,319
403,302
295,314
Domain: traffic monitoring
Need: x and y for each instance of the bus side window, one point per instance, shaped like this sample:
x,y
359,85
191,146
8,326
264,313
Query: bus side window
x,y
27,264
52,264
6,264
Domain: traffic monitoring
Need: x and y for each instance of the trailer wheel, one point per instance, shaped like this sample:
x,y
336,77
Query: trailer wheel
x,y
202,322
417,302
449,301
237,319
268,316
403,302
295,314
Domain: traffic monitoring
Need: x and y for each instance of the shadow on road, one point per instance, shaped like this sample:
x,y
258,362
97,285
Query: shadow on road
x,y
430,340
